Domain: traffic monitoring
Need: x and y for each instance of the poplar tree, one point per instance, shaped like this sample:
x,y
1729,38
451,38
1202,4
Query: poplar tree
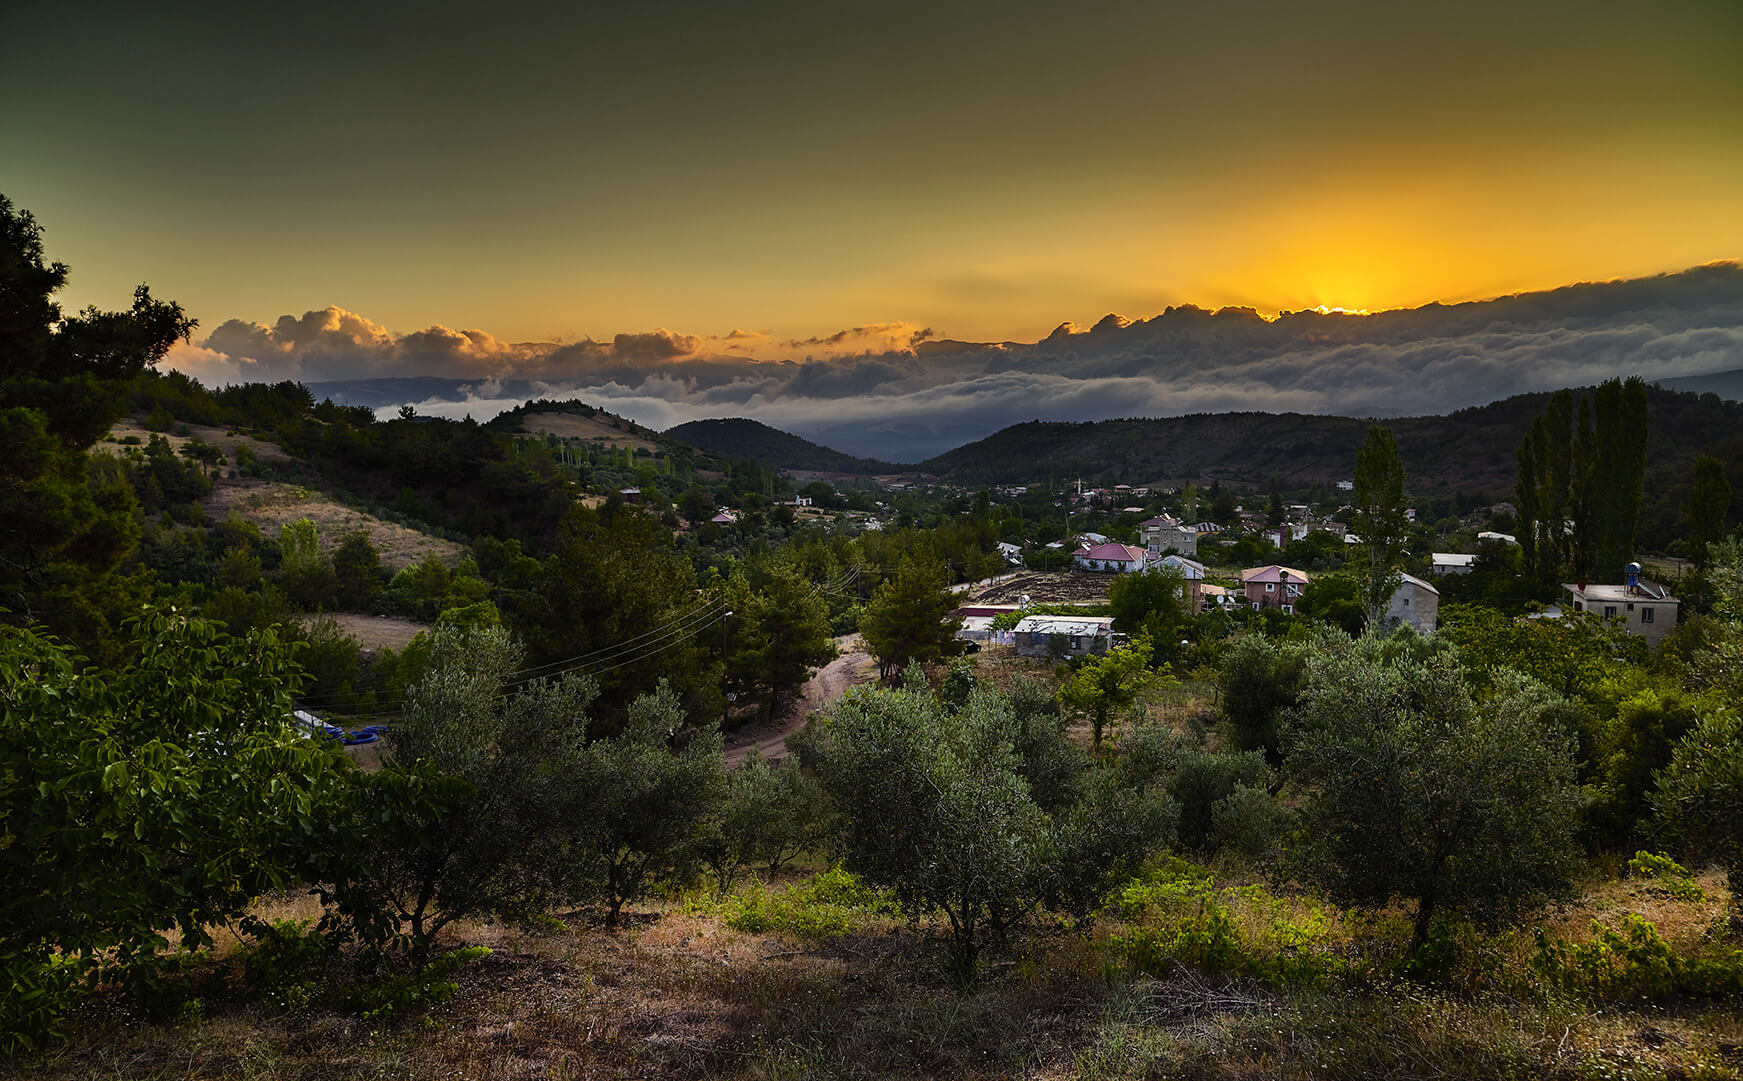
x,y
1379,519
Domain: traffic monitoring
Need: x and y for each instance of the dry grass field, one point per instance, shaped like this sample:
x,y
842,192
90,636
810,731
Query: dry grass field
x,y
598,428
218,437
271,504
681,993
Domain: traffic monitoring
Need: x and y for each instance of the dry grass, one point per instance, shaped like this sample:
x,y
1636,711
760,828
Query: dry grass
x,y
373,632
271,505
680,994
218,437
599,428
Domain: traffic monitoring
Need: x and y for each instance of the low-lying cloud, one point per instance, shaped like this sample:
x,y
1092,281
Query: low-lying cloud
x,y
894,391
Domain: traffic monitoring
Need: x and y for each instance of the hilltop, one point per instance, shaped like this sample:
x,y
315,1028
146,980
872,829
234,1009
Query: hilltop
x,y
741,437
1467,450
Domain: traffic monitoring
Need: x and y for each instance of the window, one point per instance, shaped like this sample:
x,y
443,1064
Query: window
x,y
1407,602
1645,614
1609,611
1289,609
1579,606
1270,587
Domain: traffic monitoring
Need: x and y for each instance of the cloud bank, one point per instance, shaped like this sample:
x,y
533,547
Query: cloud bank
x,y
895,391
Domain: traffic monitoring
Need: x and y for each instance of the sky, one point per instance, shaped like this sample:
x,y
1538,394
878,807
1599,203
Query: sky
x,y
758,178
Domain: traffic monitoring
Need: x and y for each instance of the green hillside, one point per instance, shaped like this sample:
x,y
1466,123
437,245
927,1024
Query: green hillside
x,y
741,437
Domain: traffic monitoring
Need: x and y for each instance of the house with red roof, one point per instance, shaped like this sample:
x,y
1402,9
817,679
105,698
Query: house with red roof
x,y
1274,586
1112,557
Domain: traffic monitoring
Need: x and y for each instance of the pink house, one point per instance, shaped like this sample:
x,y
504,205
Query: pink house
x,y
1112,556
1274,586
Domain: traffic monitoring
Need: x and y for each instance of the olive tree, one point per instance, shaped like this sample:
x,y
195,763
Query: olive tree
x,y
935,807
1415,792
477,796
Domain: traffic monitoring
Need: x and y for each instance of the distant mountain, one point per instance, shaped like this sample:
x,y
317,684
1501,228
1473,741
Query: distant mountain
x,y
1727,385
1468,450
741,437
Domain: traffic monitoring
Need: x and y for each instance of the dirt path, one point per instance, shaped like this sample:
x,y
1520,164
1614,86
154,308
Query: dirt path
x,y
852,667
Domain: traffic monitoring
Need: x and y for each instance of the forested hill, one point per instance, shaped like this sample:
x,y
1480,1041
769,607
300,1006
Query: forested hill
x,y
740,437
1469,450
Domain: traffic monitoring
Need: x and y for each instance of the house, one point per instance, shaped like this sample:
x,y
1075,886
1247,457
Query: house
x,y
1451,563
1346,485
630,495
725,517
1504,538
977,622
1645,608
1414,603
1073,636
1191,572
1012,553
1112,556
801,501
1216,596
1274,586
1164,532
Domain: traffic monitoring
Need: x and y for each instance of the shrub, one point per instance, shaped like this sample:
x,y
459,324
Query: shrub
x,y
1634,962
1672,877
427,984
835,902
1176,914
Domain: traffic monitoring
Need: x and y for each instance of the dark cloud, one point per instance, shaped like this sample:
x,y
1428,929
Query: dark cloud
x,y
891,391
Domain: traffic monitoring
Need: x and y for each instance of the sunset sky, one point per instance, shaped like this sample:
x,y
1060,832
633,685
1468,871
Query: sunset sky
x,y
558,172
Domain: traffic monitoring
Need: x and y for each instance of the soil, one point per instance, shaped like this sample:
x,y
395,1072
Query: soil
x,y
851,667
374,632
1045,587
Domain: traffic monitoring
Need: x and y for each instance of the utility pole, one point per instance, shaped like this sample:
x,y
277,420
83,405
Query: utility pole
x,y
726,695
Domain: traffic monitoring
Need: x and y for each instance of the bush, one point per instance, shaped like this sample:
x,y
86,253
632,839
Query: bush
x,y
1177,915
833,903
1672,877
425,985
1634,963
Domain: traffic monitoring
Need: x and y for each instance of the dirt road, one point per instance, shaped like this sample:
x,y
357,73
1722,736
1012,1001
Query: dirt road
x,y
852,667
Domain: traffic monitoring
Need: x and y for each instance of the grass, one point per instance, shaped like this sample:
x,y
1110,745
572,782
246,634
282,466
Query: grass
x,y
815,978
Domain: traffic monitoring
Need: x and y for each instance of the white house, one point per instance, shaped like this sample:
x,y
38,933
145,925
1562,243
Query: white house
x,y
1451,563
1077,636
1644,607
1415,603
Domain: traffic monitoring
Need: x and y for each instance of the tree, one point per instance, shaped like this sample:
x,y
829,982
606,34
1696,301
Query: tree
x,y
1258,685
166,794
614,577
1414,792
782,634
63,383
769,814
1152,602
908,618
1378,518
1709,502
478,801
1698,802
646,806
357,571
936,805
1110,684
305,573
